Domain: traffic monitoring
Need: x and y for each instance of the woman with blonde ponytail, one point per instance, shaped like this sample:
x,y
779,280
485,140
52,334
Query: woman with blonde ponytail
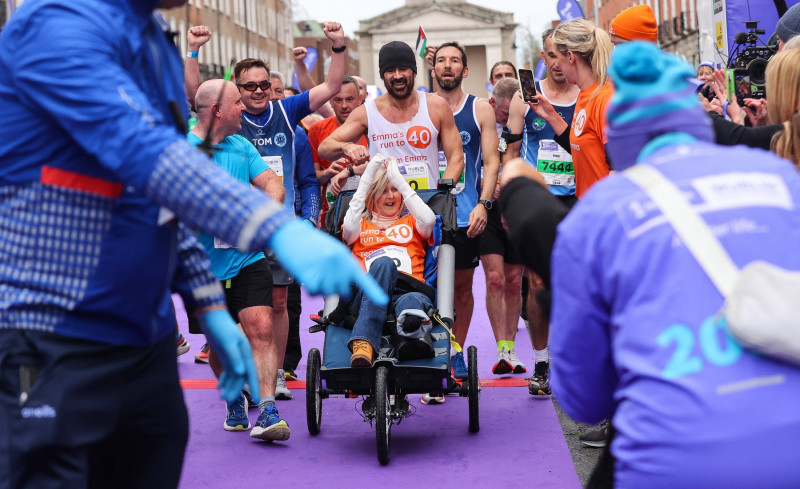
x,y
583,53
783,87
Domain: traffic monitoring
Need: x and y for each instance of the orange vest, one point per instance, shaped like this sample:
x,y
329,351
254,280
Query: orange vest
x,y
401,242
587,137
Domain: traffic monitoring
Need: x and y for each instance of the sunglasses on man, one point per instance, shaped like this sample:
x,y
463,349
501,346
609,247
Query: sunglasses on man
x,y
252,86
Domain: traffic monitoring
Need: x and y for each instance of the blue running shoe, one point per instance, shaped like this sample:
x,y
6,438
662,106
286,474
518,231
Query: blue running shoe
x,y
270,426
236,419
459,367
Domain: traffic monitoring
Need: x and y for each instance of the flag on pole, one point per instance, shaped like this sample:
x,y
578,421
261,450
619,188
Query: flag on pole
x,y
422,42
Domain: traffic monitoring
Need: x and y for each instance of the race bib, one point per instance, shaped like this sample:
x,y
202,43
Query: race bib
x,y
398,254
443,166
555,164
275,163
415,174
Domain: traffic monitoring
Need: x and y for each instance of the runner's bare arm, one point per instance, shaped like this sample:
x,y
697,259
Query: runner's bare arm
x,y
515,125
449,137
341,142
491,158
195,38
324,176
271,184
320,94
479,215
304,79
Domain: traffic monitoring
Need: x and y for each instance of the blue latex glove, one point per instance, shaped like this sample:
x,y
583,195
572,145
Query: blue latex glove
x,y
321,263
230,345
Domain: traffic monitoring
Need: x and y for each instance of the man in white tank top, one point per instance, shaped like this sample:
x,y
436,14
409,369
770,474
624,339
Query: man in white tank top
x,y
404,123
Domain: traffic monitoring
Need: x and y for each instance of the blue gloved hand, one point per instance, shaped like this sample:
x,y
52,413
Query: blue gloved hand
x,y
230,345
321,263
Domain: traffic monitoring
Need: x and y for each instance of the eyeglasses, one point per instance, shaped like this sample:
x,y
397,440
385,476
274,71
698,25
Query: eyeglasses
x,y
252,86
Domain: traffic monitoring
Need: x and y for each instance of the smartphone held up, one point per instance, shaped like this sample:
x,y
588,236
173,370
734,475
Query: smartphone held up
x,y
527,86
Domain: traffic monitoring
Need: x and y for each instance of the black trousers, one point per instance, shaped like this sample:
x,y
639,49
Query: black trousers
x,y
95,416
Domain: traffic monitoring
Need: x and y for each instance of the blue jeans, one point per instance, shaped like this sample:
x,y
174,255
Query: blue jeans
x,y
371,317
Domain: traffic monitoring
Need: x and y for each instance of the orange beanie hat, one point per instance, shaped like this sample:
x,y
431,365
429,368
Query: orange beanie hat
x,y
635,24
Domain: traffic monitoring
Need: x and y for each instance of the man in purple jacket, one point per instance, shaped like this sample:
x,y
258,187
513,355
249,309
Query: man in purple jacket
x,y
634,334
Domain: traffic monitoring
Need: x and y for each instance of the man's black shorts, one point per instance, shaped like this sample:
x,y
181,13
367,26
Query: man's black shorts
x,y
467,250
494,239
251,287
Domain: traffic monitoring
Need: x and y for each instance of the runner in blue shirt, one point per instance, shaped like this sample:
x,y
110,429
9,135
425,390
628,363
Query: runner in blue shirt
x,y
538,148
475,122
245,276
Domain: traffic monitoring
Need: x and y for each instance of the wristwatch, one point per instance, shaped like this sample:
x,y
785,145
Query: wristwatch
x,y
486,203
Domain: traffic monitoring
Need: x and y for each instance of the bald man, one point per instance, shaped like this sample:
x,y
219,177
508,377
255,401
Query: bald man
x,y
362,88
245,277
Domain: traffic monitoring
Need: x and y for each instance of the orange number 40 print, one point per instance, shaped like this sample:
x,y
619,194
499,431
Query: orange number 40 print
x,y
419,137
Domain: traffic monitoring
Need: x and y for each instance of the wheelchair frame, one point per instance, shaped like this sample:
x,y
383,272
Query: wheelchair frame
x,y
389,381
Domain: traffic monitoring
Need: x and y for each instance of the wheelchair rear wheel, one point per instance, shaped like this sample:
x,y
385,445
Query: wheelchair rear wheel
x,y
383,414
313,397
474,388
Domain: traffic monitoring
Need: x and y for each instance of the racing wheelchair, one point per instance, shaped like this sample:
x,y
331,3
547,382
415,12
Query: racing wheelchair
x,y
391,378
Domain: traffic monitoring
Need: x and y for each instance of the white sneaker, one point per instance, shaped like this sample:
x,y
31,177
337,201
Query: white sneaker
x,y
503,365
519,367
281,391
183,345
428,399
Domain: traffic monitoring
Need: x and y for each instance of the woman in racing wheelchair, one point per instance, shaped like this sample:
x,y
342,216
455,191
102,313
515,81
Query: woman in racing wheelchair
x,y
388,226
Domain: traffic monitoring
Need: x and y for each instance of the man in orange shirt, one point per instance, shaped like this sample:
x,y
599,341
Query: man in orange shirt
x,y
338,175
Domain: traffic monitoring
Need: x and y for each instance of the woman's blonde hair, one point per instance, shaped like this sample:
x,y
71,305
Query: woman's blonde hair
x,y
592,44
783,87
379,184
704,68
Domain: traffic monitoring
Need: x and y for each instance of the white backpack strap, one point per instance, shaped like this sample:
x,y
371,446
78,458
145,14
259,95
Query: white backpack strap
x,y
691,228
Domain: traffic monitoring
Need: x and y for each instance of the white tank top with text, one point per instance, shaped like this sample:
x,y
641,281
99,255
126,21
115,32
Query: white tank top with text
x,y
415,144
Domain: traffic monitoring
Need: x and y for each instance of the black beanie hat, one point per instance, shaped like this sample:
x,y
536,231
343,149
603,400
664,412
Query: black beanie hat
x,y
396,54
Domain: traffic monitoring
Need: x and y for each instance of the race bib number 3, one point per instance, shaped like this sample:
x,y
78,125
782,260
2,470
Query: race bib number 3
x,y
398,254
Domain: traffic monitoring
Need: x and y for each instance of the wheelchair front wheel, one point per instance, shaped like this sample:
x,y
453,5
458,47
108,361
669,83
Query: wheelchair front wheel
x,y
474,388
313,397
383,414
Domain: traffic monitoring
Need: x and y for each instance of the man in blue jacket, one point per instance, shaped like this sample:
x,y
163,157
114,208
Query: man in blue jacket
x,y
93,174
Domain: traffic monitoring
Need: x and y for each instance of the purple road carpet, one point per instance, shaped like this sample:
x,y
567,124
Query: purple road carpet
x,y
520,443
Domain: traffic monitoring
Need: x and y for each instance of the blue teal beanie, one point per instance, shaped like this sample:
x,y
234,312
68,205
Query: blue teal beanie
x,y
653,97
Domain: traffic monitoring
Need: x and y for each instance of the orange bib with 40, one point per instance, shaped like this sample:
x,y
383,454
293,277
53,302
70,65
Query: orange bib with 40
x,y
419,136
